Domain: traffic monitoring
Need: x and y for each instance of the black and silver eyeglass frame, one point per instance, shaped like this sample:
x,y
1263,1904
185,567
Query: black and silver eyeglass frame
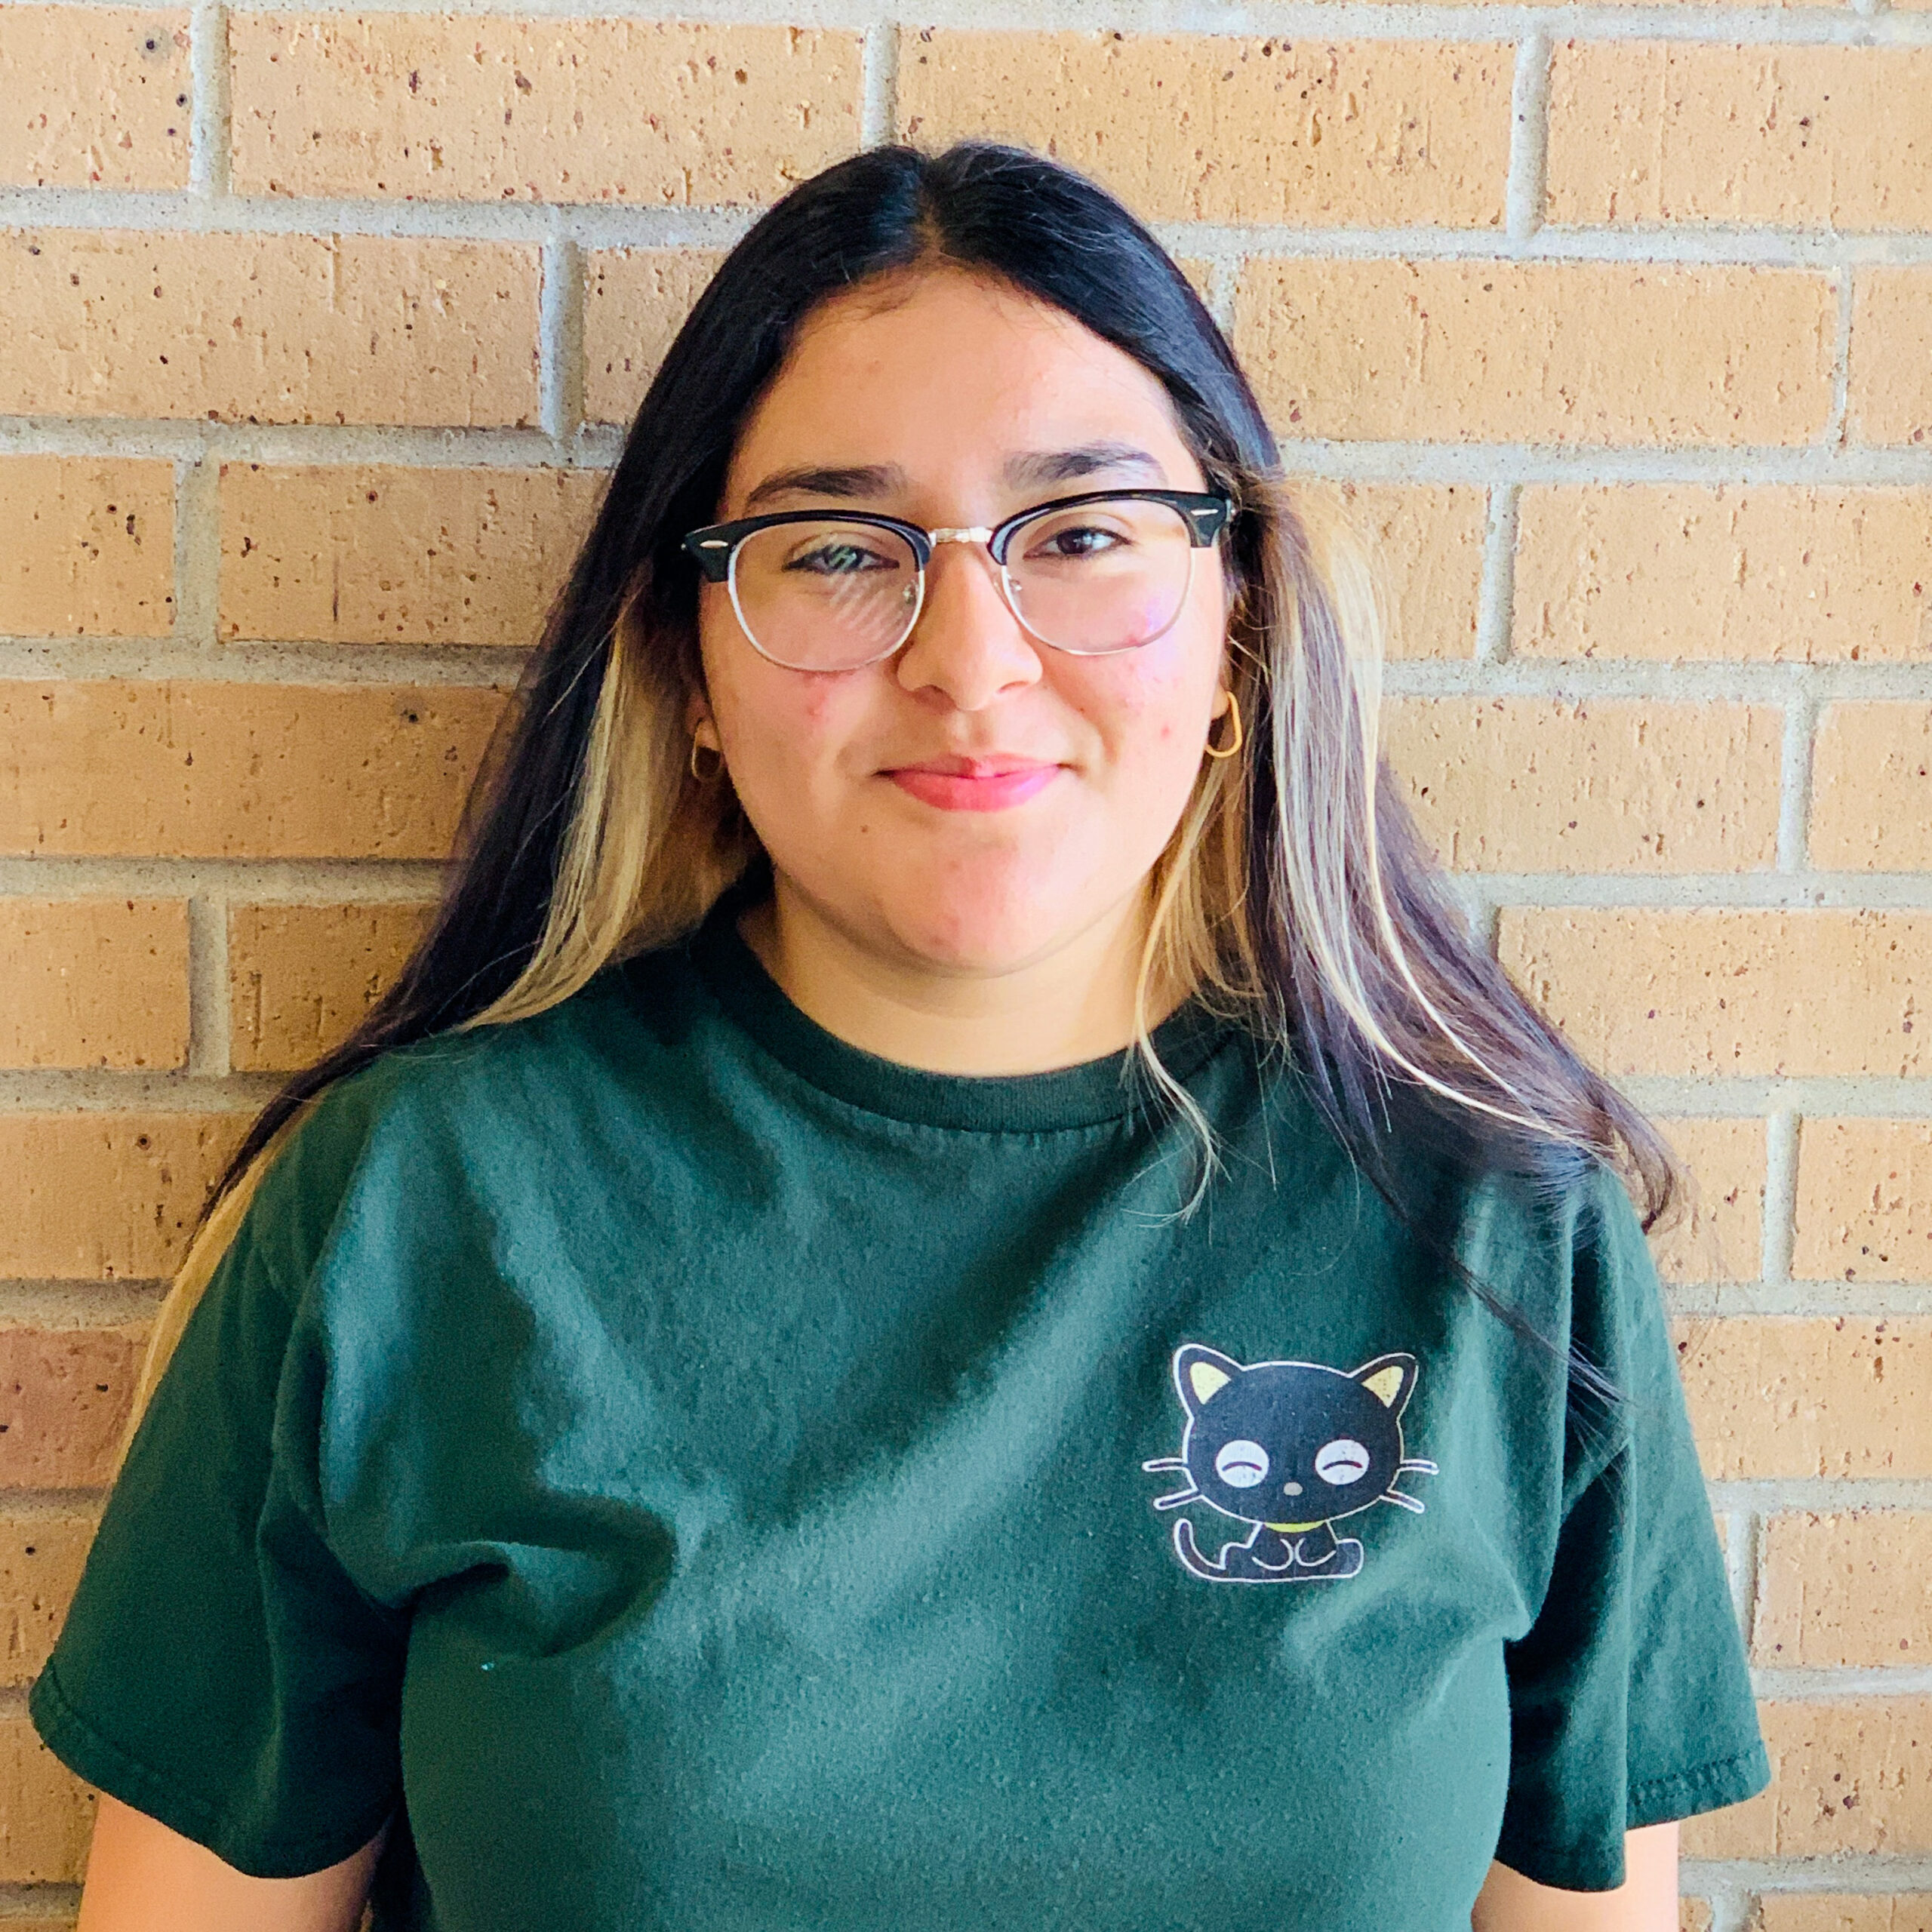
x,y
1204,514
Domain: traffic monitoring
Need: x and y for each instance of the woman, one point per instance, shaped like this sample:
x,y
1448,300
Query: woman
x,y
832,1355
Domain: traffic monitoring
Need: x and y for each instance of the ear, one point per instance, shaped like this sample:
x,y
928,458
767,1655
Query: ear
x,y
1201,1372
1391,1379
698,724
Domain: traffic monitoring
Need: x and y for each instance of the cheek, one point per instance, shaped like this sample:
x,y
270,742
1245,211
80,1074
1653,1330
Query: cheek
x,y
1149,713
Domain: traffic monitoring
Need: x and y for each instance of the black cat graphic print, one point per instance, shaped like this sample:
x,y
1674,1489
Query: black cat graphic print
x,y
1289,1448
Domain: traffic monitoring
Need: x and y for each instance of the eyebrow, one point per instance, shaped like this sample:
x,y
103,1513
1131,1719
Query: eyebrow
x,y
869,482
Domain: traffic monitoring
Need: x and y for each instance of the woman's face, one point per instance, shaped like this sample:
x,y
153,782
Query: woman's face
x,y
886,796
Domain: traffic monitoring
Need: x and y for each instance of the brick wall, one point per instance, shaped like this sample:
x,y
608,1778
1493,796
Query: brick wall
x,y
1612,322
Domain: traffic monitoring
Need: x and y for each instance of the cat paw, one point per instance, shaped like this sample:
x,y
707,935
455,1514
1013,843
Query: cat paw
x,y
1345,1560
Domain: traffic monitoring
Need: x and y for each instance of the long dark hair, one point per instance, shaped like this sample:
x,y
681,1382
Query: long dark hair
x,y
1295,894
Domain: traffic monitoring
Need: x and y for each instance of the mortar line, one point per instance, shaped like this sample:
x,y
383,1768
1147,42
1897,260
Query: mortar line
x,y
644,224
1796,758
243,881
1783,1132
1751,1575
1223,287
1835,1873
1733,680
208,987
1302,20
560,343
878,83
1802,1301
197,557
210,129
1838,420
62,1900
1495,599
1739,1566
442,667
1529,137
1363,460
78,1302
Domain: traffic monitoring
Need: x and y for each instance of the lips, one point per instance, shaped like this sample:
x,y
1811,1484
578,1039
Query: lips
x,y
989,784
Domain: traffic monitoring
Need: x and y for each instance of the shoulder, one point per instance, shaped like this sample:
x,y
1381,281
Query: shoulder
x,y
425,1120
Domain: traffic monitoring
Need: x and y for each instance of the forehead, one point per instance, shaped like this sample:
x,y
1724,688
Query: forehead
x,y
946,374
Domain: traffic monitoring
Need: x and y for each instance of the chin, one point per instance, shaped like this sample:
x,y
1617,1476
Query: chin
x,y
989,928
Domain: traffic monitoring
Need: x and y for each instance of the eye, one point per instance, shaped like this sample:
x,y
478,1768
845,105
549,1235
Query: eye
x,y
1073,541
1242,1465
1342,1461
841,557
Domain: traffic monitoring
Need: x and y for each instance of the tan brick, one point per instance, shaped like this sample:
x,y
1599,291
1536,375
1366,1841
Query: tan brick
x,y
1845,1589
1428,542
1803,137
1587,353
300,977
1536,785
64,1395
93,983
1872,788
1889,396
1693,1915
237,771
635,301
91,548
1198,128
387,556
1741,3
1848,1775
1721,1233
40,1563
107,1196
1804,1396
1785,572
1745,992
97,97
1842,1912
1864,1207
272,328
477,108
46,1813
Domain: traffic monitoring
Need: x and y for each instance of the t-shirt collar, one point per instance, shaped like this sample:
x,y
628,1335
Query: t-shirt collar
x,y
1091,1094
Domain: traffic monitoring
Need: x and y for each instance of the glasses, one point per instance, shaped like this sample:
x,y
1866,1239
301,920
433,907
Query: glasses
x,y
1092,574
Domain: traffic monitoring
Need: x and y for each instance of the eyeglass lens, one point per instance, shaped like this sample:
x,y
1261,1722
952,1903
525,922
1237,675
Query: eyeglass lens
x,y
832,594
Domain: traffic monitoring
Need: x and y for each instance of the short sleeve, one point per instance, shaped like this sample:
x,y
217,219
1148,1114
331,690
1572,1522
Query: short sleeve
x,y
218,1669
1631,1700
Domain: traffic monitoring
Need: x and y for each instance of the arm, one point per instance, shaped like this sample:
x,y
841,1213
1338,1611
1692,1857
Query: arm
x,y
1645,1902
142,1877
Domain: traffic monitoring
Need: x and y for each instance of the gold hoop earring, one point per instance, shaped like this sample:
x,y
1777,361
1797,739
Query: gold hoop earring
x,y
704,777
1240,737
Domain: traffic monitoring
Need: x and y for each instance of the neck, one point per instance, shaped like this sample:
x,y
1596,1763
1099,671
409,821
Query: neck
x,y
1073,1004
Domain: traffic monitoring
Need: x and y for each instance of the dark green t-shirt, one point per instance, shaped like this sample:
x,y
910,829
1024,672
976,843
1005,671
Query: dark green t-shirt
x,y
722,1481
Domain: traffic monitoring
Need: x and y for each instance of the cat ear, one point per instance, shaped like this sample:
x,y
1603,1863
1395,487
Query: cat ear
x,y
1391,1379
1200,1372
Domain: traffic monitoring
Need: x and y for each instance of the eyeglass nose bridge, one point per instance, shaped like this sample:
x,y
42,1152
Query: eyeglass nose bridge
x,y
961,536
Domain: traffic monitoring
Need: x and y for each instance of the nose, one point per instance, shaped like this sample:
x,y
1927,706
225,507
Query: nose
x,y
1291,1489
968,646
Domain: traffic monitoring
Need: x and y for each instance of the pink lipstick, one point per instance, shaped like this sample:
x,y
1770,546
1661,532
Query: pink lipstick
x,y
973,785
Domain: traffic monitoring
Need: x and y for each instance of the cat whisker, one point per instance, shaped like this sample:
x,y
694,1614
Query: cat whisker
x,y
1420,1467
1403,1502
1166,1462
1175,1502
